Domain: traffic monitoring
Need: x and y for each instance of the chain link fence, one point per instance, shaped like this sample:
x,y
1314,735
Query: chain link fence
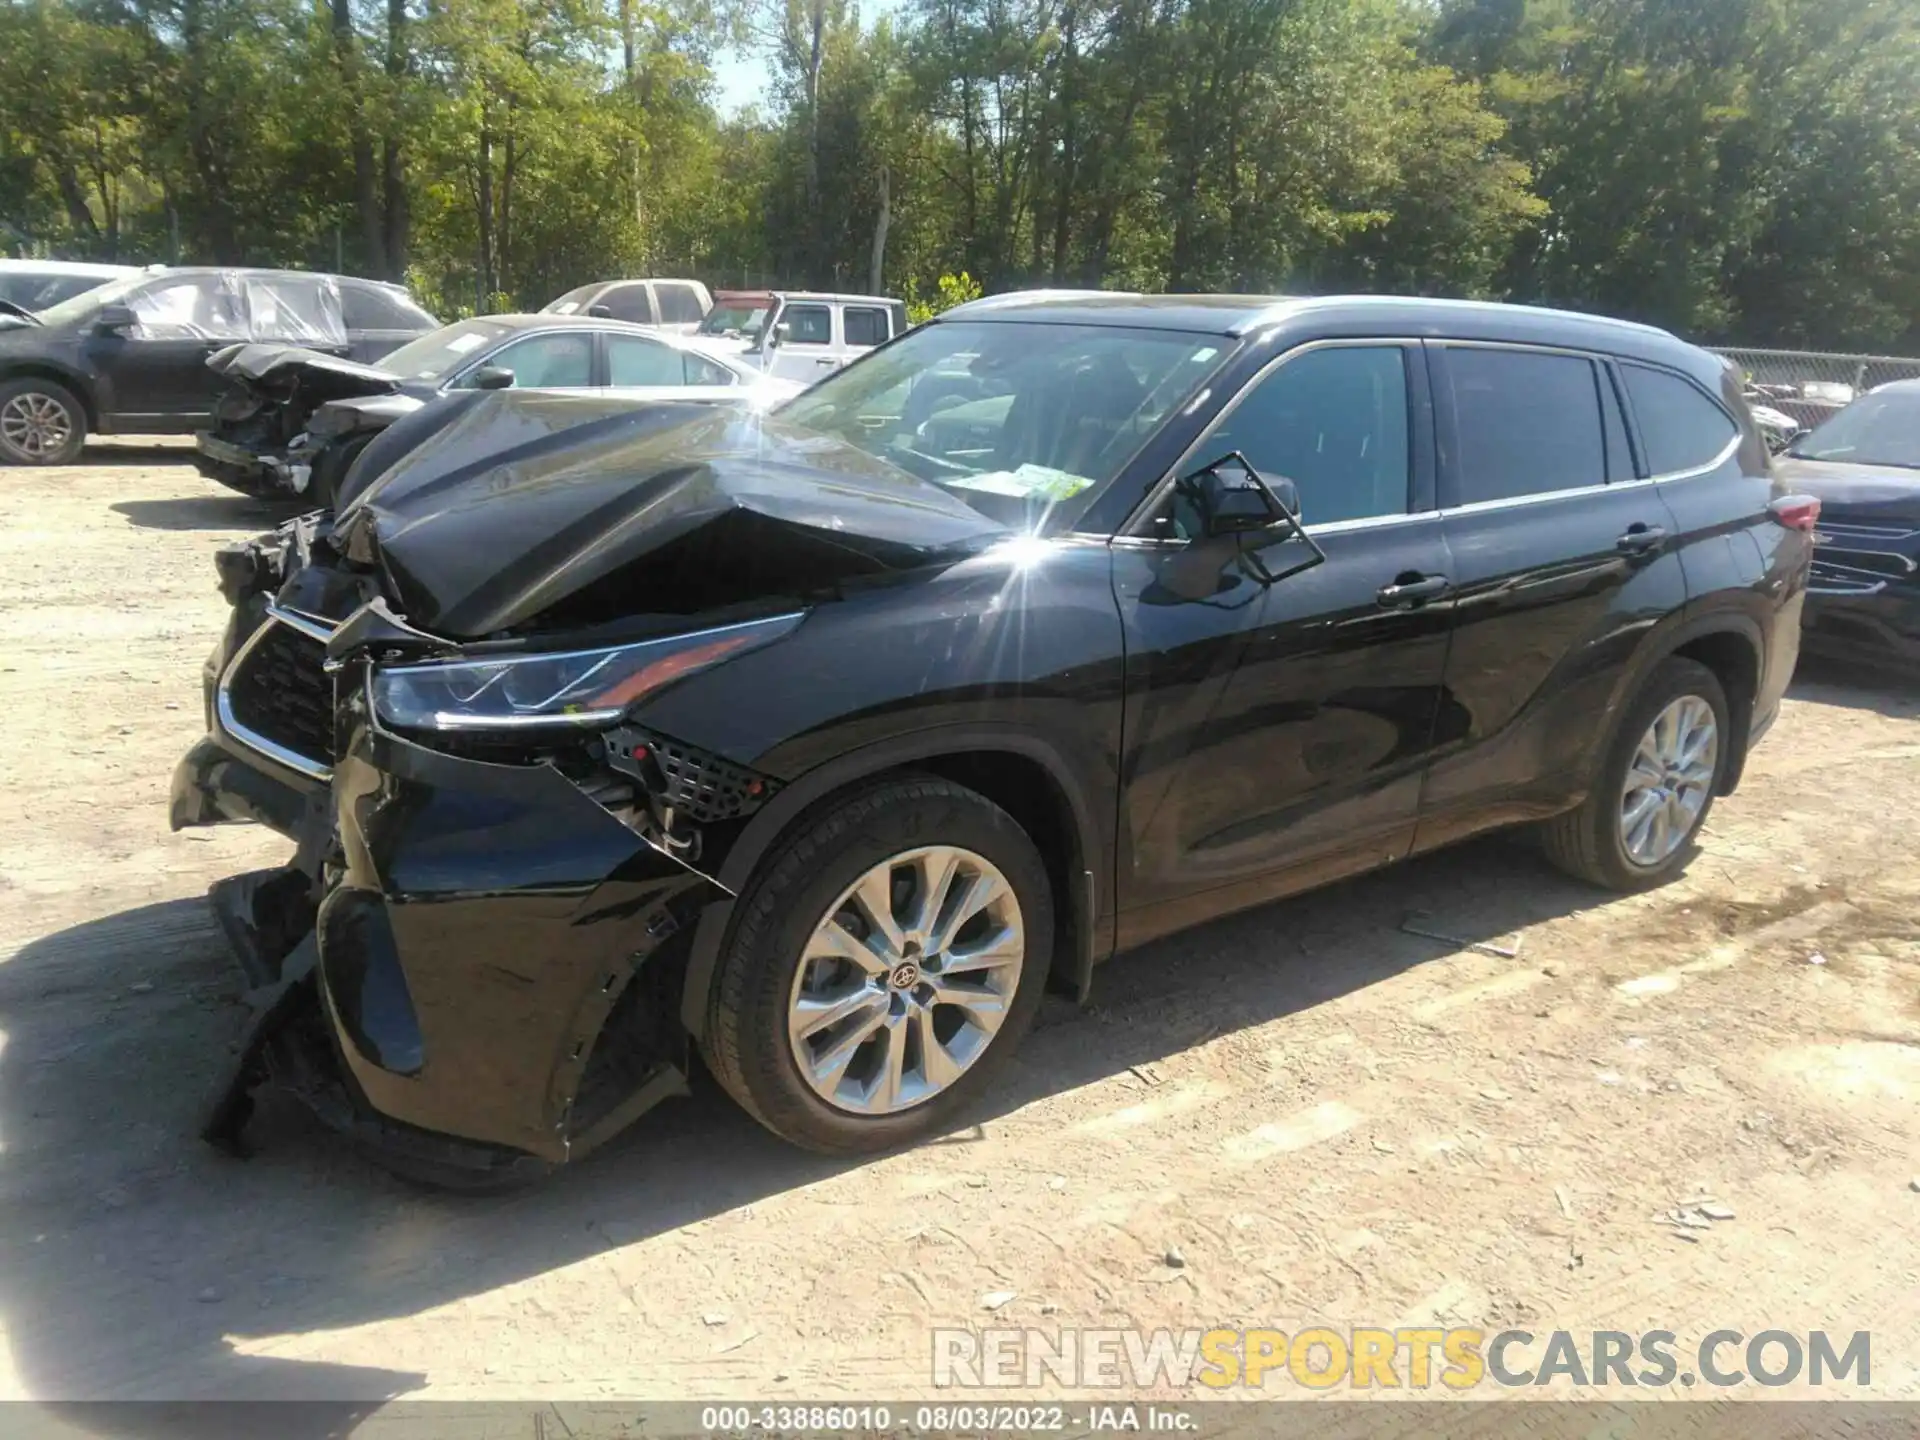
x,y
1811,385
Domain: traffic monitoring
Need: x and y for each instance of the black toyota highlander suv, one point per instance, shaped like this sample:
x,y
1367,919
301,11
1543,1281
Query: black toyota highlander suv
x,y
822,741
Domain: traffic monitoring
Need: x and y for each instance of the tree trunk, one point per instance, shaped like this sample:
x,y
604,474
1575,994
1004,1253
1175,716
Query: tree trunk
x,y
366,178
816,55
1069,146
877,269
398,237
483,210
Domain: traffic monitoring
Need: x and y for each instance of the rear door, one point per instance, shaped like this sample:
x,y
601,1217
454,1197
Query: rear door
x,y
1563,559
863,326
1277,733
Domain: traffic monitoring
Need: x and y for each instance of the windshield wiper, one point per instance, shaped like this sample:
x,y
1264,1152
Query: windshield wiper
x,y
19,312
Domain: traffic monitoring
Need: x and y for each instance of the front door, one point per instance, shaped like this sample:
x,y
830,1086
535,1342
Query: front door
x,y
156,374
807,351
1277,733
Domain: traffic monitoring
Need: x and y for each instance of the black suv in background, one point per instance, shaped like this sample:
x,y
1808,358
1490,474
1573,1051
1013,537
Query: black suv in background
x,y
824,739
130,357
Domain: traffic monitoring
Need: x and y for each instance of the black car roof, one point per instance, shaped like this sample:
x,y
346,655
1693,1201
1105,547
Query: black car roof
x,y
1238,316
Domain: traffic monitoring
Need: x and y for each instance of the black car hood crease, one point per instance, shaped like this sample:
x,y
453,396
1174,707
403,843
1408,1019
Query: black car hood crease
x,y
330,375
518,514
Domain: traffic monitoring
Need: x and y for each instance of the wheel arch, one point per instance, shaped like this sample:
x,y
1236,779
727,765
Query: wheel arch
x,y
75,384
1729,642
1022,773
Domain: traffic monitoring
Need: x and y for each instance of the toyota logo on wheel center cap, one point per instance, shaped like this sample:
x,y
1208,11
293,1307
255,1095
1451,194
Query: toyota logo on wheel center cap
x,y
905,976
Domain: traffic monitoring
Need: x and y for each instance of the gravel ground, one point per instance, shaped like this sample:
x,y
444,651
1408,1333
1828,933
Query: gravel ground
x,y
1330,1119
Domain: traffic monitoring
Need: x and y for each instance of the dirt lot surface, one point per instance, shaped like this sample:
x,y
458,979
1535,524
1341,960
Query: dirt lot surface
x,y
1330,1119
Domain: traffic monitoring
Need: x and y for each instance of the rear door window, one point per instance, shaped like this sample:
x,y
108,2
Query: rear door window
x,y
1679,426
679,304
1526,422
632,360
298,309
627,302
1333,421
865,325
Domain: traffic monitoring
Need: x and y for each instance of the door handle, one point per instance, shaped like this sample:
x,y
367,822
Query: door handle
x,y
826,362
1639,539
1413,590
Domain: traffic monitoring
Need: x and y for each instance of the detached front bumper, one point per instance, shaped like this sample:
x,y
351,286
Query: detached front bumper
x,y
486,923
263,475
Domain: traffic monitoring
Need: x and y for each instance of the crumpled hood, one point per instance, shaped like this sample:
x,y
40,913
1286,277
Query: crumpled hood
x,y
528,512
1840,486
320,375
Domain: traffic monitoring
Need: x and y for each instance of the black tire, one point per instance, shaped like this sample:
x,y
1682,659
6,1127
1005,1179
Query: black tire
x,y
1587,842
746,1044
330,467
21,401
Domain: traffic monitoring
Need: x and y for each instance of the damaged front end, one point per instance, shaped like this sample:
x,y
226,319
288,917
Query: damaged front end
x,y
475,961
262,441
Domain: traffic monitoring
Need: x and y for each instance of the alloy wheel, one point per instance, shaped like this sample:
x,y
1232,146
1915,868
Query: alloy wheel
x,y
1669,780
906,979
35,424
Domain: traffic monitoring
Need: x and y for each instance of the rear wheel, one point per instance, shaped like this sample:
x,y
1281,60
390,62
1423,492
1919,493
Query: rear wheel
x,y
1655,787
885,964
41,423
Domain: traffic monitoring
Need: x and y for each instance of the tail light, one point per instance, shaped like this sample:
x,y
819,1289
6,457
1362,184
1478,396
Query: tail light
x,y
1796,512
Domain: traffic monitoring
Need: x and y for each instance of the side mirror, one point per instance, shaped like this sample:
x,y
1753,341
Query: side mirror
x,y
1235,499
600,312
778,334
492,377
112,319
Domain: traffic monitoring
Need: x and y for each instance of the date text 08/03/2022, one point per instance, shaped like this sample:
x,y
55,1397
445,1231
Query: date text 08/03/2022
x,y
943,1419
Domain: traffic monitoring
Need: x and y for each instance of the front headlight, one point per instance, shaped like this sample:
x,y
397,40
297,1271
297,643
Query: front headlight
x,y
578,688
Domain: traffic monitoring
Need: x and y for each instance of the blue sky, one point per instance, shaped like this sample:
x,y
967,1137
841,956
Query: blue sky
x,y
743,80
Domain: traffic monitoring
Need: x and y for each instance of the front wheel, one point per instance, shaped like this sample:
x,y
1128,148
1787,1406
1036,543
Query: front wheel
x,y
1655,787
884,965
41,423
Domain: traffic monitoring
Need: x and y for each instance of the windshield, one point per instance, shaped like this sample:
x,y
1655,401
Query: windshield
x,y
1879,429
40,290
1010,416
432,356
568,303
78,307
736,319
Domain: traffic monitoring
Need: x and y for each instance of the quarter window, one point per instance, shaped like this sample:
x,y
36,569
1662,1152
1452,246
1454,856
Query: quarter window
x,y
370,308
864,325
808,324
1526,423
1680,427
550,362
1333,421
